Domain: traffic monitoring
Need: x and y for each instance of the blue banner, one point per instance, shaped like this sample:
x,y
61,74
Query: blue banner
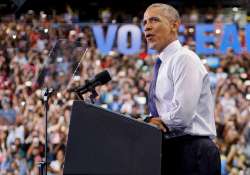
x,y
127,38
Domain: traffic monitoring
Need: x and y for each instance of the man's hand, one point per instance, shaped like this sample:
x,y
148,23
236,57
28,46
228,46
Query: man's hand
x,y
159,123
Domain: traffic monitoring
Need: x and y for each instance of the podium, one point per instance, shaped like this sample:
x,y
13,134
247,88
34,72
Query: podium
x,y
102,142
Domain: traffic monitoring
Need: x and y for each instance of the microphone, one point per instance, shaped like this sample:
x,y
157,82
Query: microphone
x,y
46,93
100,79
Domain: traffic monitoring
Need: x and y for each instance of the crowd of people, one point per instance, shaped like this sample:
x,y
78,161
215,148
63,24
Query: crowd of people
x,y
33,57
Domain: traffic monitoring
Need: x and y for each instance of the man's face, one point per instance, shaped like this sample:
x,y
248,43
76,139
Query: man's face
x,y
157,29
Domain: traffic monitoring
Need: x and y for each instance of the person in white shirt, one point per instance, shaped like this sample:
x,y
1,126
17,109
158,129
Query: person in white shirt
x,y
180,99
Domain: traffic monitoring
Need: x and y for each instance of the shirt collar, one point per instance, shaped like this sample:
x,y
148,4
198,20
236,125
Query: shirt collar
x,y
170,50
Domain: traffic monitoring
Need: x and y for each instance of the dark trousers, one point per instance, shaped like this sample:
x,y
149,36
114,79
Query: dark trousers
x,y
190,155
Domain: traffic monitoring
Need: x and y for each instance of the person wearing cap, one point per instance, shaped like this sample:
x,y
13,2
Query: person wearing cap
x,y
7,114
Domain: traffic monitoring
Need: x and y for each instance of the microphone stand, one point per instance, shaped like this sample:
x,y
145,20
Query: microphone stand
x,y
90,89
93,95
43,166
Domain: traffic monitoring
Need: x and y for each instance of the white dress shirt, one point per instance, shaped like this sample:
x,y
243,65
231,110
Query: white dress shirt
x,y
183,95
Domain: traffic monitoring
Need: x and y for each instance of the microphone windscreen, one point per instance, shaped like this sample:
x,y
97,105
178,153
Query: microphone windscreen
x,y
103,77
